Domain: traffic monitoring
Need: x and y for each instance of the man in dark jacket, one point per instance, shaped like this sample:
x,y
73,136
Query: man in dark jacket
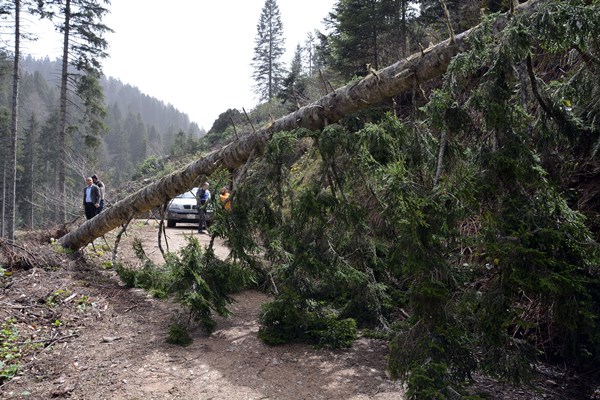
x,y
102,188
91,198
202,197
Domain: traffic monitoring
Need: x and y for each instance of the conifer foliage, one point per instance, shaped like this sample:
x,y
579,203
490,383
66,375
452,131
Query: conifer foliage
x,y
269,47
80,23
195,277
477,258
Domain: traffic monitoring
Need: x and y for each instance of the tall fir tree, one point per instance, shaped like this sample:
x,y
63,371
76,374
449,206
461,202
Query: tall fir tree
x,y
4,158
309,53
118,145
268,67
80,22
374,32
294,84
27,179
356,26
398,15
11,175
47,168
12,12
137,135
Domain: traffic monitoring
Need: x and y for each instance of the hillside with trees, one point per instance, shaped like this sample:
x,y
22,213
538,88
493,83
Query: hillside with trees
x,y
430,179
137,127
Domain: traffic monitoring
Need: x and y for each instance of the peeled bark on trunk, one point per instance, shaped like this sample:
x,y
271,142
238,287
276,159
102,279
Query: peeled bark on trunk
x,y
369,91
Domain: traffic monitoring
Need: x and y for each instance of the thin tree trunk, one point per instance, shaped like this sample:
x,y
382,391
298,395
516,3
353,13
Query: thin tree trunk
x,y
62,127
440,161
3,206
30,170
11,183
403,28
371,90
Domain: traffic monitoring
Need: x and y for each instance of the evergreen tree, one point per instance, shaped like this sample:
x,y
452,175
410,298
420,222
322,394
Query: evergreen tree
x,y
268,68
309,53
226,119
119,164
462,16
80,22
399,15
184,144
313,57
38,99
294,85
356,29
137,135
11,173
47,172
4,158
374,32
27,179
15,10
154,142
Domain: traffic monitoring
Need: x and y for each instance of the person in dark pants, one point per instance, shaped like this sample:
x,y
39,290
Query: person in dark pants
x,y
203,197
102,188
91,198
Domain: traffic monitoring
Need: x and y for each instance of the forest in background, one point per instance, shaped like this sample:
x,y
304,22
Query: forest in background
x,y
138,127
458,220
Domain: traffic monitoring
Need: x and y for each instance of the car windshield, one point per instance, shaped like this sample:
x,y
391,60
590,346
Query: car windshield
x,y
187,195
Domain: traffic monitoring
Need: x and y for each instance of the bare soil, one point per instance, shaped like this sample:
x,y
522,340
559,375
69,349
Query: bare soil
x,y
97,339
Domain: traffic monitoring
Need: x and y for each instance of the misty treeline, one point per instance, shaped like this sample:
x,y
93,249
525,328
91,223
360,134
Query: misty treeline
x,y
60,115
138,128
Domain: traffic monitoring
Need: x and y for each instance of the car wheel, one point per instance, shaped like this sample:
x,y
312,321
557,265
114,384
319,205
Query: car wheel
x,y
171,223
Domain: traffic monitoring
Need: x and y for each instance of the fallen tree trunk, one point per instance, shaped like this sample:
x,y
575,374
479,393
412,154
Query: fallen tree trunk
x,y
373,89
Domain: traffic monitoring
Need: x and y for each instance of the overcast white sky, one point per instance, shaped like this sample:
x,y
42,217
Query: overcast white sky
x,y
193,54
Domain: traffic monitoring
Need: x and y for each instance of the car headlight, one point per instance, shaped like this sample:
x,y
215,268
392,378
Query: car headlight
x,y
174,207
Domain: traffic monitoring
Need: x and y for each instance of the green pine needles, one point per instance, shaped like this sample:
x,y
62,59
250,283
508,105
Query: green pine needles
x,y
196,278
457,235
461,235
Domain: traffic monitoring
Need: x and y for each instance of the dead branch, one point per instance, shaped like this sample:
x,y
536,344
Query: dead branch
x,y
118,240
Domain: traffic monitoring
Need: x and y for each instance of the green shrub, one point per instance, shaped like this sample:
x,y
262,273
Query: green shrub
x,y
291,319
10,352
195,277
179,335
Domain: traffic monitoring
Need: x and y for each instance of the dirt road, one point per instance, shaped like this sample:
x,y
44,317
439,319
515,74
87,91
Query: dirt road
x,y
114,348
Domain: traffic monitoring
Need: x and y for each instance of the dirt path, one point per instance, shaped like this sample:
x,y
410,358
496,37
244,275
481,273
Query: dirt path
x,y
115,347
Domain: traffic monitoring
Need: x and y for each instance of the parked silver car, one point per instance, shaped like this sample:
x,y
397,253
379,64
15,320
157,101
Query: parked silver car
x,y
184,208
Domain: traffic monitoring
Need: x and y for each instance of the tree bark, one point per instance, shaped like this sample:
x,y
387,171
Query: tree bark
x,y
11,182
62,128
369,91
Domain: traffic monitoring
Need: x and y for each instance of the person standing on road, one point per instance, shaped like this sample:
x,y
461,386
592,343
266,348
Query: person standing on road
x,y
101,186
91,198
224,197
202,197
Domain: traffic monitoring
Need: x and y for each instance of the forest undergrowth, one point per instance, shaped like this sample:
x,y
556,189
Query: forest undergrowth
x,y
464,231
